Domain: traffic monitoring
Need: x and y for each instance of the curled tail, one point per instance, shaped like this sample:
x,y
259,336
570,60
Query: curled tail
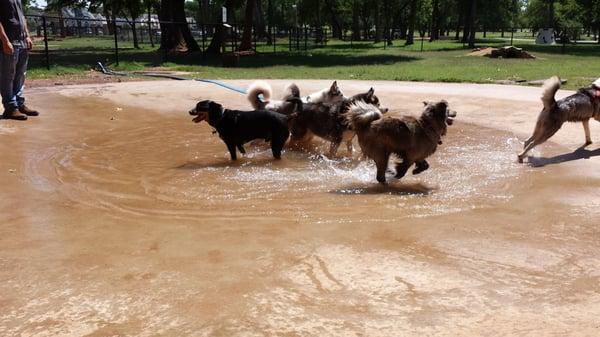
x,y
290,91
257,89
361,115
549,89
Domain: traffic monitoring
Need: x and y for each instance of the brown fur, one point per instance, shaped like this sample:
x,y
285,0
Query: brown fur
x,y
579,107
411,139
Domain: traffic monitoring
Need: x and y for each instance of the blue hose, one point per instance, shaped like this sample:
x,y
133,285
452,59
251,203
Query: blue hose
x,y
107,71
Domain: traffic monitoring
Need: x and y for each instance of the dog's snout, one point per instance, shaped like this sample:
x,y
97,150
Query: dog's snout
x,y
384,110
193,112
451,113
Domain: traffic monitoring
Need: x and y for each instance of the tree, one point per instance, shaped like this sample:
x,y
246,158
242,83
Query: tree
x,y
132,10
175,32
412,8
246,43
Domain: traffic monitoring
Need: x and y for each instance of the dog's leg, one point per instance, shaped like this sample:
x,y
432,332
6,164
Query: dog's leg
x,y
381,162
586,129
231,148
277,146
402,168
241,148
333,147
540,135
528,141
420,167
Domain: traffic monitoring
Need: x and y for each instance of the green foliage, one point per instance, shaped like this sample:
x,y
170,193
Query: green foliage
x,y
444,61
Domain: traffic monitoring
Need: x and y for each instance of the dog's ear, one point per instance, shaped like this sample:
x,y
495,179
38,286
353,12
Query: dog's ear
x,y
212,106
425,103
370,93
334,87
442,105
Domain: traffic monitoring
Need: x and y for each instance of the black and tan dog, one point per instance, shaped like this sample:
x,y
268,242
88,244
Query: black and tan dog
x,y
236,127
329,121
411,139
579,107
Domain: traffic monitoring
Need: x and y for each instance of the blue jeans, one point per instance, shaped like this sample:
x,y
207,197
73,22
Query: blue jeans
x,y
12,77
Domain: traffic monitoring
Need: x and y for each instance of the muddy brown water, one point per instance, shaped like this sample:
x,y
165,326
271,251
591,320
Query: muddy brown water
x,y
121,221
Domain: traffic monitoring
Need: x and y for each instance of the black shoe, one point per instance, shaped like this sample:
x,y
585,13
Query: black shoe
x,y
14,114
25,110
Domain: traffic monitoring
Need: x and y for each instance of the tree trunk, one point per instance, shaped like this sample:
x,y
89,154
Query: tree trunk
x,y
134,32
410,38
218,39
387,10
365,20
435,21
550,22
336,26
467,21
246,43
150,26
355,21
472,23
377,21
260,25
175,33
458,25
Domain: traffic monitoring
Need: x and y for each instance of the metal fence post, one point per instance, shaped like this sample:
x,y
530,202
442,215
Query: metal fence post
x,y
116,40
305,38
203,37
46,43
254,36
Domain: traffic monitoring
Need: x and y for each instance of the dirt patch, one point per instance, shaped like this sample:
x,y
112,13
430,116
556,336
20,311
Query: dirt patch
x,y
504,52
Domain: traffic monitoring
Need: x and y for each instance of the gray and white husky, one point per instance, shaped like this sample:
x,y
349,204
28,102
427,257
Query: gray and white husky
x,y
579,107
260,92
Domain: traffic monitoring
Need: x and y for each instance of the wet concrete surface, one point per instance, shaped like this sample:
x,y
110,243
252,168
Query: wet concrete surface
x,y
119,216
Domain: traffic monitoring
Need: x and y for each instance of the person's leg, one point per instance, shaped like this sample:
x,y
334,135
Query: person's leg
x,y
8,65
19,82
7,75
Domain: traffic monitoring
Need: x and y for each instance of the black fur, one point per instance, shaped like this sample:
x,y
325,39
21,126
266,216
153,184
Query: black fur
x,y
237,127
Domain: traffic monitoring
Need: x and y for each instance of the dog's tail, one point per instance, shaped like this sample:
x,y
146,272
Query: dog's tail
x,y
297,102
291,91
361,115
257,89
549,90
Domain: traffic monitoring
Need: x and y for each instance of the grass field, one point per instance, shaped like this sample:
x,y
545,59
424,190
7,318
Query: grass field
x,y
443,61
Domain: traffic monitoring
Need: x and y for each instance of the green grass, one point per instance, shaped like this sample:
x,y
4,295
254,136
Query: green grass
x,y
441,61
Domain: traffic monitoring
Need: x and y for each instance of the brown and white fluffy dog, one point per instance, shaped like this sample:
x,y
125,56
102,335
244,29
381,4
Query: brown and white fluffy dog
x,y
286,106
411,139
329,122
579,107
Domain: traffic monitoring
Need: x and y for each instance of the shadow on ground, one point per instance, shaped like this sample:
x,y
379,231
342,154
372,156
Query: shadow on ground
x,y
580,153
